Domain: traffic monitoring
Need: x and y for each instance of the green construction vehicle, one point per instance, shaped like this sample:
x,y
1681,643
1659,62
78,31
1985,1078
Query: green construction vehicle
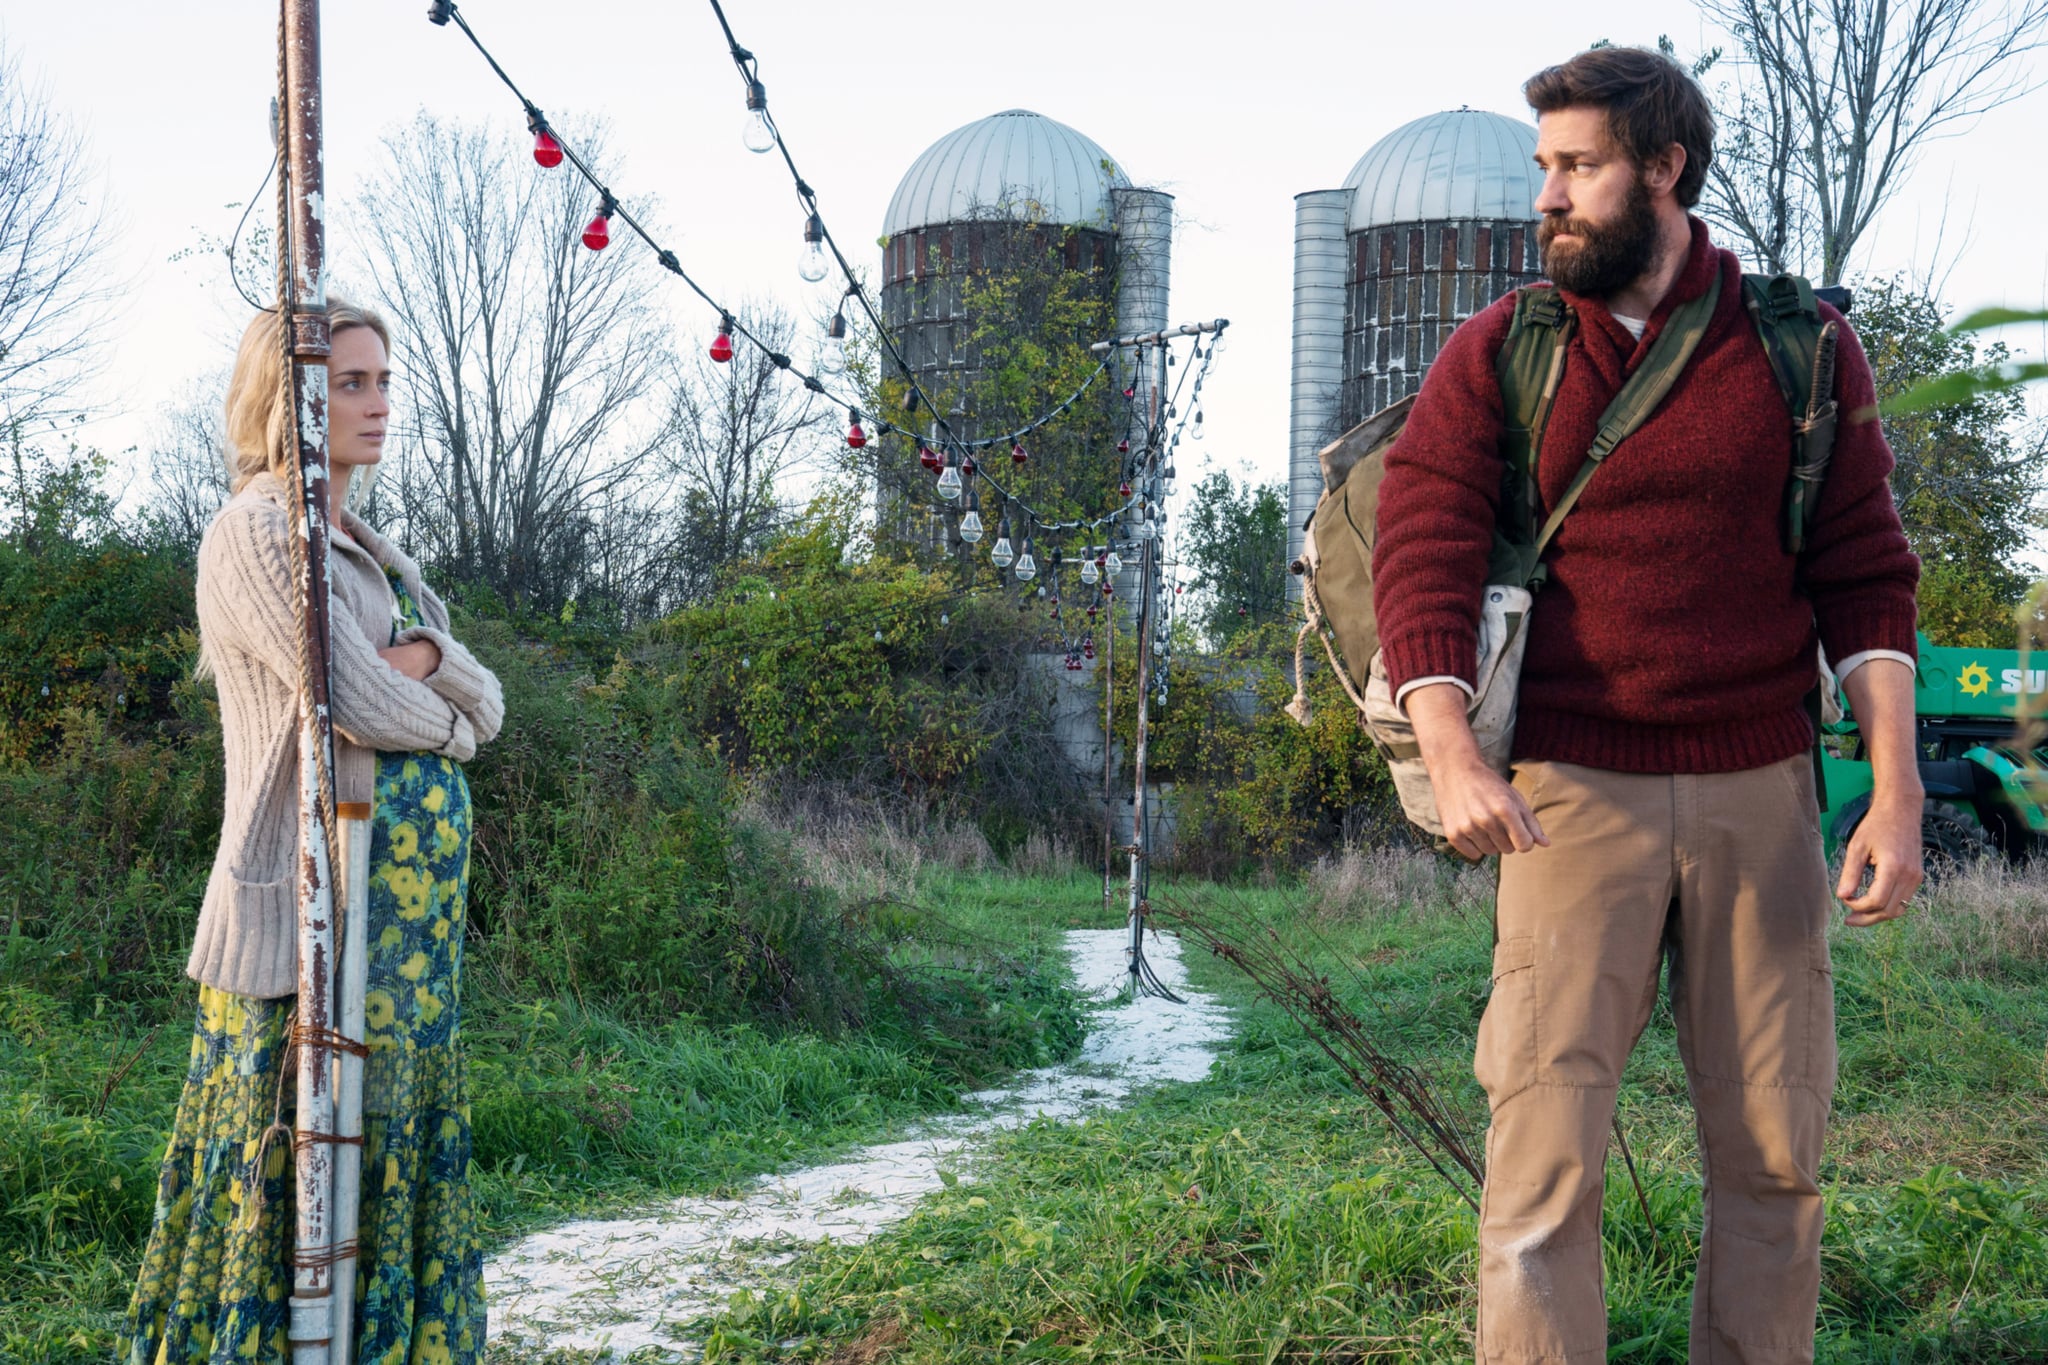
x,y
1984,794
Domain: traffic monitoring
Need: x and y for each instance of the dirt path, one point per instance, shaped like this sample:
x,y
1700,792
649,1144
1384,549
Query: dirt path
x,y
628,1284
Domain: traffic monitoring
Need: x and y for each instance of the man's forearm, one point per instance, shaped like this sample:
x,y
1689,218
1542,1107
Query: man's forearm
x,y
1442,729
1881,696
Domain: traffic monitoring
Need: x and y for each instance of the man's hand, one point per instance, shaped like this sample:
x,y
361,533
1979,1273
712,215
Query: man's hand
x,y
418,660
1887,841
1480,811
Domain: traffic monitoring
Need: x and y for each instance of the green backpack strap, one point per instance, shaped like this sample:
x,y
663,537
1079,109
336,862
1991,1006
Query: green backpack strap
x,y
1801,349
1668,357
1530,368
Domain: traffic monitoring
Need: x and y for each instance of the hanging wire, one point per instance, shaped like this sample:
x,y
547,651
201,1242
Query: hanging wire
x,y
444,12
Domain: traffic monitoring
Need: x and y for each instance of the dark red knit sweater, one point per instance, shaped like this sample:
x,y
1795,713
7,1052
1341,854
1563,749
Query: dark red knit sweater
x,y
1675,634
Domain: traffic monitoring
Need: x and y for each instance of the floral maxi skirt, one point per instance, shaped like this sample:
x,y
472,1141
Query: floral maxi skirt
x,y
216,1276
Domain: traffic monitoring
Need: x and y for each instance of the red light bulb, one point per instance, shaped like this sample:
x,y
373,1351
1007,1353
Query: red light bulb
x,y
546,150
927,457
1131,392
855,437
1123,447
598,235
967,466
1124,489
1018,454
721,351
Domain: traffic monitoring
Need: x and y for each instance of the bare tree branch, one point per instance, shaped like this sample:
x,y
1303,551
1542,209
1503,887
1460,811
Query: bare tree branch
x,y
527,362
55,292
1833,102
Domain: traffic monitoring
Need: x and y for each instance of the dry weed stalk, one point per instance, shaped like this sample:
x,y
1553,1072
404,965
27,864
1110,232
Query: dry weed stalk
x,y
1399,1091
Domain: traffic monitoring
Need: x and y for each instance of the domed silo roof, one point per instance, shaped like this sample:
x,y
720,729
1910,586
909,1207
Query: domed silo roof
x,y
1461,164
1026,161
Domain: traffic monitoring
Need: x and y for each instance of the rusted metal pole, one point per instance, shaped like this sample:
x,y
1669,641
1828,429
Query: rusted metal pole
x,y
302,272
1108,743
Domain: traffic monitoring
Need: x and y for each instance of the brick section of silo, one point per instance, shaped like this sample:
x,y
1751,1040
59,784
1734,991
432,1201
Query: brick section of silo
x,y
1411,285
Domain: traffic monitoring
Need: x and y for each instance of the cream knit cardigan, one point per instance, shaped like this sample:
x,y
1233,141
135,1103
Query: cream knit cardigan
x,y
247,942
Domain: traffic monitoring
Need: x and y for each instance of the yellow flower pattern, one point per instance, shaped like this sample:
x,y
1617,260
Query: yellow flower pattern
x,y
215,1282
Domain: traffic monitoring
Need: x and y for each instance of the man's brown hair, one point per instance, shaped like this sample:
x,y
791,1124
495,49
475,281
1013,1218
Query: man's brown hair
x,y
1649,100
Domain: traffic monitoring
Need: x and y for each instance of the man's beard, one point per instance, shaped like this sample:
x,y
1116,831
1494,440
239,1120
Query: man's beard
x,y
1605,258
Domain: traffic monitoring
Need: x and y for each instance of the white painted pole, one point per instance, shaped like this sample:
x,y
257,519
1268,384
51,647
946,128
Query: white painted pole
x,y
348,1086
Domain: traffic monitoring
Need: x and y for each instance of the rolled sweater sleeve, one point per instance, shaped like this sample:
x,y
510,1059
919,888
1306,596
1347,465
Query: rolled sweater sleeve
x,y
1859,570
247,595
1438,507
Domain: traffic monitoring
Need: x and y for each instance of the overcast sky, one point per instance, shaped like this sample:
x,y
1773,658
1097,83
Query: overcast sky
x,y
1234,108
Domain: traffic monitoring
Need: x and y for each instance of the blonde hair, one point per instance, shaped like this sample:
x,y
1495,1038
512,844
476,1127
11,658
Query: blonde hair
x,y
256,411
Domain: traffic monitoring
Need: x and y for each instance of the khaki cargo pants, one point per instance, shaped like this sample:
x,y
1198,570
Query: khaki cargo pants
x,y
1722,874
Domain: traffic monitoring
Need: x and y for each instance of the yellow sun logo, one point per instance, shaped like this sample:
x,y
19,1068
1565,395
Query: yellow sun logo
x,y
1975,680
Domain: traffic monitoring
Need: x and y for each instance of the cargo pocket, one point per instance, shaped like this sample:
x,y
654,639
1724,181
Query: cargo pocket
x,y
1504,1062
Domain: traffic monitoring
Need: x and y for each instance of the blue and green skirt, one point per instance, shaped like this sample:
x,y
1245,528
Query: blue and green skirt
x,y
216,1277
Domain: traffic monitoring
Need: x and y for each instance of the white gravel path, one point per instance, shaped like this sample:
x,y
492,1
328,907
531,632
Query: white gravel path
x,y
628,1284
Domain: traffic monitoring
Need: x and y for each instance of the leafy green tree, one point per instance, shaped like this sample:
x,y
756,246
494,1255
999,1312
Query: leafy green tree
x,y
1970,474
1024,301
1234,536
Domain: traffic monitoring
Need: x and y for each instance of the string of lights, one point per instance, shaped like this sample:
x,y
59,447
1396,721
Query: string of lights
x,y
761,134
551,150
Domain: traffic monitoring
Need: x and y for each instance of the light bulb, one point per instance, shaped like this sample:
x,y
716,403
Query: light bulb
x,y
1123,447
598,234
970,527
832,355
1000,554
1027,567
949,481
759,133
811,262
1146,530
878,635
746,662
1018,455
546,151
855,437
1123,490
721,345
1114,563
929,458
1088,572
945,619
1197,432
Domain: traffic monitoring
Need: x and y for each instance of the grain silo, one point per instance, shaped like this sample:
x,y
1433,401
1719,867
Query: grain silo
x,y
967,197
1435,222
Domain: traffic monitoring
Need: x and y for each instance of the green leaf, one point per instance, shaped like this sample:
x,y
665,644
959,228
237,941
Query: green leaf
x,y
1964,386
1985,318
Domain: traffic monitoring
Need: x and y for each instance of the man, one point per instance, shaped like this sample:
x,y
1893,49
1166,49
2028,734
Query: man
x,y
1662,801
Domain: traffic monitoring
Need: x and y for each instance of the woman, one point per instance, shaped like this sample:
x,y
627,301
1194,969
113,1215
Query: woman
x,y
409,706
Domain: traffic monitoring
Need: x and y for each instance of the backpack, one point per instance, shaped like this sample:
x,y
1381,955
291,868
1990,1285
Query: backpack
x,y
1336,560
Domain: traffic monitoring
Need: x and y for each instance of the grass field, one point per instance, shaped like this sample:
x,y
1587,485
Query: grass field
x,y
1268,1214
1264,1214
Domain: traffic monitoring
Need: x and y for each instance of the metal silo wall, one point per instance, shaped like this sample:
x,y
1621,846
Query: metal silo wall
x,y
1144,280
1312,418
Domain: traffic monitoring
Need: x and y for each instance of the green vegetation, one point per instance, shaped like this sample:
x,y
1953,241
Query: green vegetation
x,y
1267,1213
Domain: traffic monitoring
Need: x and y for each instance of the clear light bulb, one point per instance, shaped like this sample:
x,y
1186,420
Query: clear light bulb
x,y
949,481
970,527
759,133
1027,567
1146,530
832,358
1088,572
1000,554
1114,563
811,262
